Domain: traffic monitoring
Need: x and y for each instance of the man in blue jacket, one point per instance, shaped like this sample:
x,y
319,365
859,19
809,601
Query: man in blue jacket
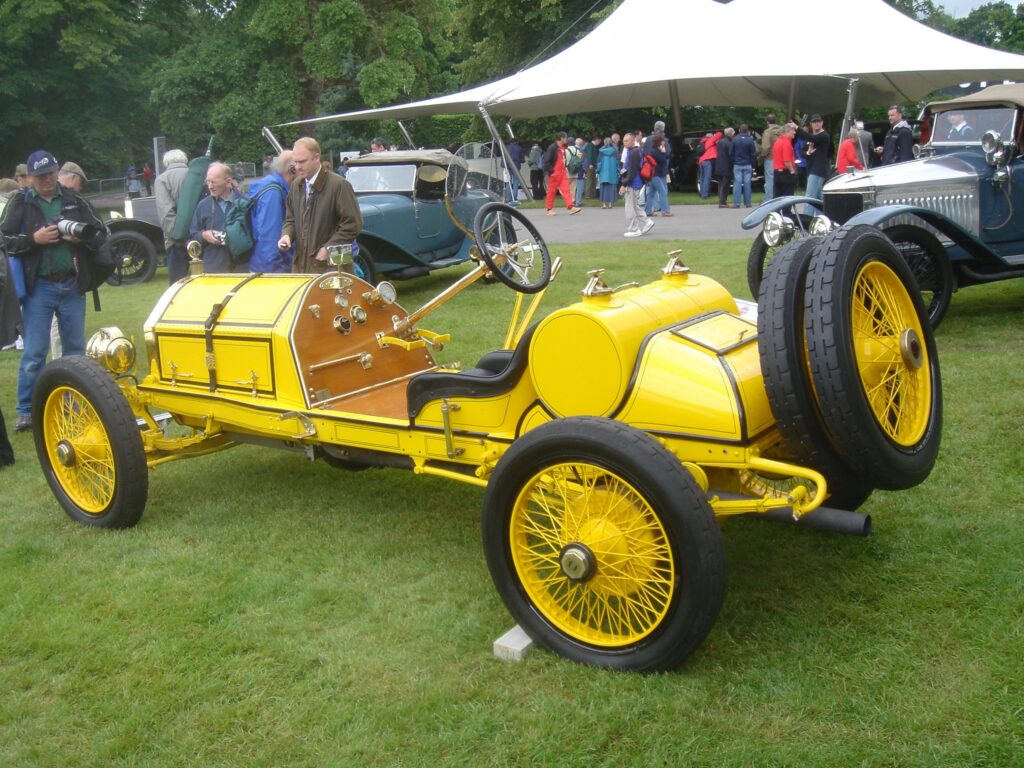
x,y
743,152
268,195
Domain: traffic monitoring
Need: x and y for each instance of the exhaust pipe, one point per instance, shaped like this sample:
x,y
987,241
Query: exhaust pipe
x,y
823,519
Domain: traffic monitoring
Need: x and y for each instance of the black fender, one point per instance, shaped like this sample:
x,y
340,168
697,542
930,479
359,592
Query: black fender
x,y
151,232
759,214
876,217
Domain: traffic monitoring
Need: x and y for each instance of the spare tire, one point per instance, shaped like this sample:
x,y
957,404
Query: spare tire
x,y
872,358
787,380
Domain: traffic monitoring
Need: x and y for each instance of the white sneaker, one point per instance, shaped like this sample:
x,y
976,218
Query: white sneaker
x,y
632,233
647,227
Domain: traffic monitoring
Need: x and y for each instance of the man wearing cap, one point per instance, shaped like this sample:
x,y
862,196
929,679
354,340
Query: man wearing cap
x,y
21,175
54,267
818,149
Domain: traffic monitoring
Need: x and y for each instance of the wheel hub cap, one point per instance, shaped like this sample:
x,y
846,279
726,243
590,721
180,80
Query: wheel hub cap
x,y
577,562
911,349
65,453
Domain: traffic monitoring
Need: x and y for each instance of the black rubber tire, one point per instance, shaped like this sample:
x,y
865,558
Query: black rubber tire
x,y
364,261
832,306
140,255
691,534
761,254
505,276
791,396
130,481
930,265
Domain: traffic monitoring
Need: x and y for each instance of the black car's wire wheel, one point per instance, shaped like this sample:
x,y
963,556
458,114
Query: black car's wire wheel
x,y
602,546
787,378
930,266
873,358
134,258
761,254
89,445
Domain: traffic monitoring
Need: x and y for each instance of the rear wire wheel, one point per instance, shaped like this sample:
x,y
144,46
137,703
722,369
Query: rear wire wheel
x,y
787,377
873,358
602,546
930,266
89,445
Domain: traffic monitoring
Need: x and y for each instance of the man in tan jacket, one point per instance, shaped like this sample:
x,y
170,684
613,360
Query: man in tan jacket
x,y
321,210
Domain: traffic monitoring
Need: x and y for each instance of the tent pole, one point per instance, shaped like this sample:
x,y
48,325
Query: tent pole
x,y
509,165
677,114
792,100
405,133
851,102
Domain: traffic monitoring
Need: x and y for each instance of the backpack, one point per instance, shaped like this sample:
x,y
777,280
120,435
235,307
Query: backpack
x,y
647,167
574,159
238,225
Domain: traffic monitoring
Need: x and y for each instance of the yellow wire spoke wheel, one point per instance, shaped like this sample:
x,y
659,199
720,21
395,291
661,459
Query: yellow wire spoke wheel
x,y
89,445
873,358
890,353
592,554
602,546
79,450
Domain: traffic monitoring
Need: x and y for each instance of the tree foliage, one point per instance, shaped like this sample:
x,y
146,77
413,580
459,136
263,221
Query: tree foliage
x,y
95,80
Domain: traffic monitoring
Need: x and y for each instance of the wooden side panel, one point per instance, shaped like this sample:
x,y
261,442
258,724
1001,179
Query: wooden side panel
x,y
335,339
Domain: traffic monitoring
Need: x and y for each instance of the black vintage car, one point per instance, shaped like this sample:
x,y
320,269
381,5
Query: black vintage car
x,y
956,213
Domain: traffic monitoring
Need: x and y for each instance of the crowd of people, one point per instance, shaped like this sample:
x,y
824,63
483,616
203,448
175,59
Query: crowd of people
x,y
790,155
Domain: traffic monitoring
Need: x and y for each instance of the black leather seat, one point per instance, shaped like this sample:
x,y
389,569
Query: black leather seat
x,y
495,373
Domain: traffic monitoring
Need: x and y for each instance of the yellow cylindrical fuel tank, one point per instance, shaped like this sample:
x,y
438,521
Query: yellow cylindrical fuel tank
x,y
583,356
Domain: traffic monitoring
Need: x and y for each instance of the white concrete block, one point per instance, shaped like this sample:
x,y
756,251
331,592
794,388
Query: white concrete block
x,y
513,645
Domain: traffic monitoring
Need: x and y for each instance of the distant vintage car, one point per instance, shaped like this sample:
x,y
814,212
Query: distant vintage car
x,y
952,213
408,229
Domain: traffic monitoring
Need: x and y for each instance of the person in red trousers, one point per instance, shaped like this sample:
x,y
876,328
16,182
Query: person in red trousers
x,y
558,177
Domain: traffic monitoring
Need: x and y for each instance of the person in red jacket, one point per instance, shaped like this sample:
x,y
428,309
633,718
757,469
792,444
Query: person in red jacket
x,y
847,157
707,162
784,162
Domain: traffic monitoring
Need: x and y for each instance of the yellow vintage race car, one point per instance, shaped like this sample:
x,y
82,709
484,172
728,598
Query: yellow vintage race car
x,y
609,436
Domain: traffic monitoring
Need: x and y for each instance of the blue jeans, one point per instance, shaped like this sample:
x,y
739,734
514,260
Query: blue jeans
x,y
657,195
704,188
741,184
814,185
769,178
581,187
513,183
48,298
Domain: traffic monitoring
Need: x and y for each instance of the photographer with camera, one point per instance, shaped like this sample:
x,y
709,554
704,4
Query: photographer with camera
x,y
52,231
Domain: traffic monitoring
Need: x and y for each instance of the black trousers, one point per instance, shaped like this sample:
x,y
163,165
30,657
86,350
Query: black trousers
x,y
6,450
785,183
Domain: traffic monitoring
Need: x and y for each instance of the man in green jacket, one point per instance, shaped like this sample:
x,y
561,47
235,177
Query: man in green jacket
x,y
321,210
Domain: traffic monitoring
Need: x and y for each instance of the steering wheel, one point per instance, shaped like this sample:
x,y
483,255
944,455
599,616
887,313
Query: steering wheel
x,y
512,247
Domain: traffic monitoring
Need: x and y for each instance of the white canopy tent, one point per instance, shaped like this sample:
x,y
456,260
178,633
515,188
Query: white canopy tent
x,y
894,58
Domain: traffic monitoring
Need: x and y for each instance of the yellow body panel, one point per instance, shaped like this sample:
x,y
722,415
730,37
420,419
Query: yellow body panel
x,y
671,358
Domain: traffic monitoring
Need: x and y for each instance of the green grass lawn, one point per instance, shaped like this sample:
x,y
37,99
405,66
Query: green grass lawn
x,y
271,612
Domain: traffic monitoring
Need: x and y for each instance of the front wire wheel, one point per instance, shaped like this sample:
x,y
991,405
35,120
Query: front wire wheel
x,y
873,358
602,546
930,266
89,445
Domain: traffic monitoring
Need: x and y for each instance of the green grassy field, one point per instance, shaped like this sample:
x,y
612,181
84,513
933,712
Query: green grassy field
x,y
271,612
